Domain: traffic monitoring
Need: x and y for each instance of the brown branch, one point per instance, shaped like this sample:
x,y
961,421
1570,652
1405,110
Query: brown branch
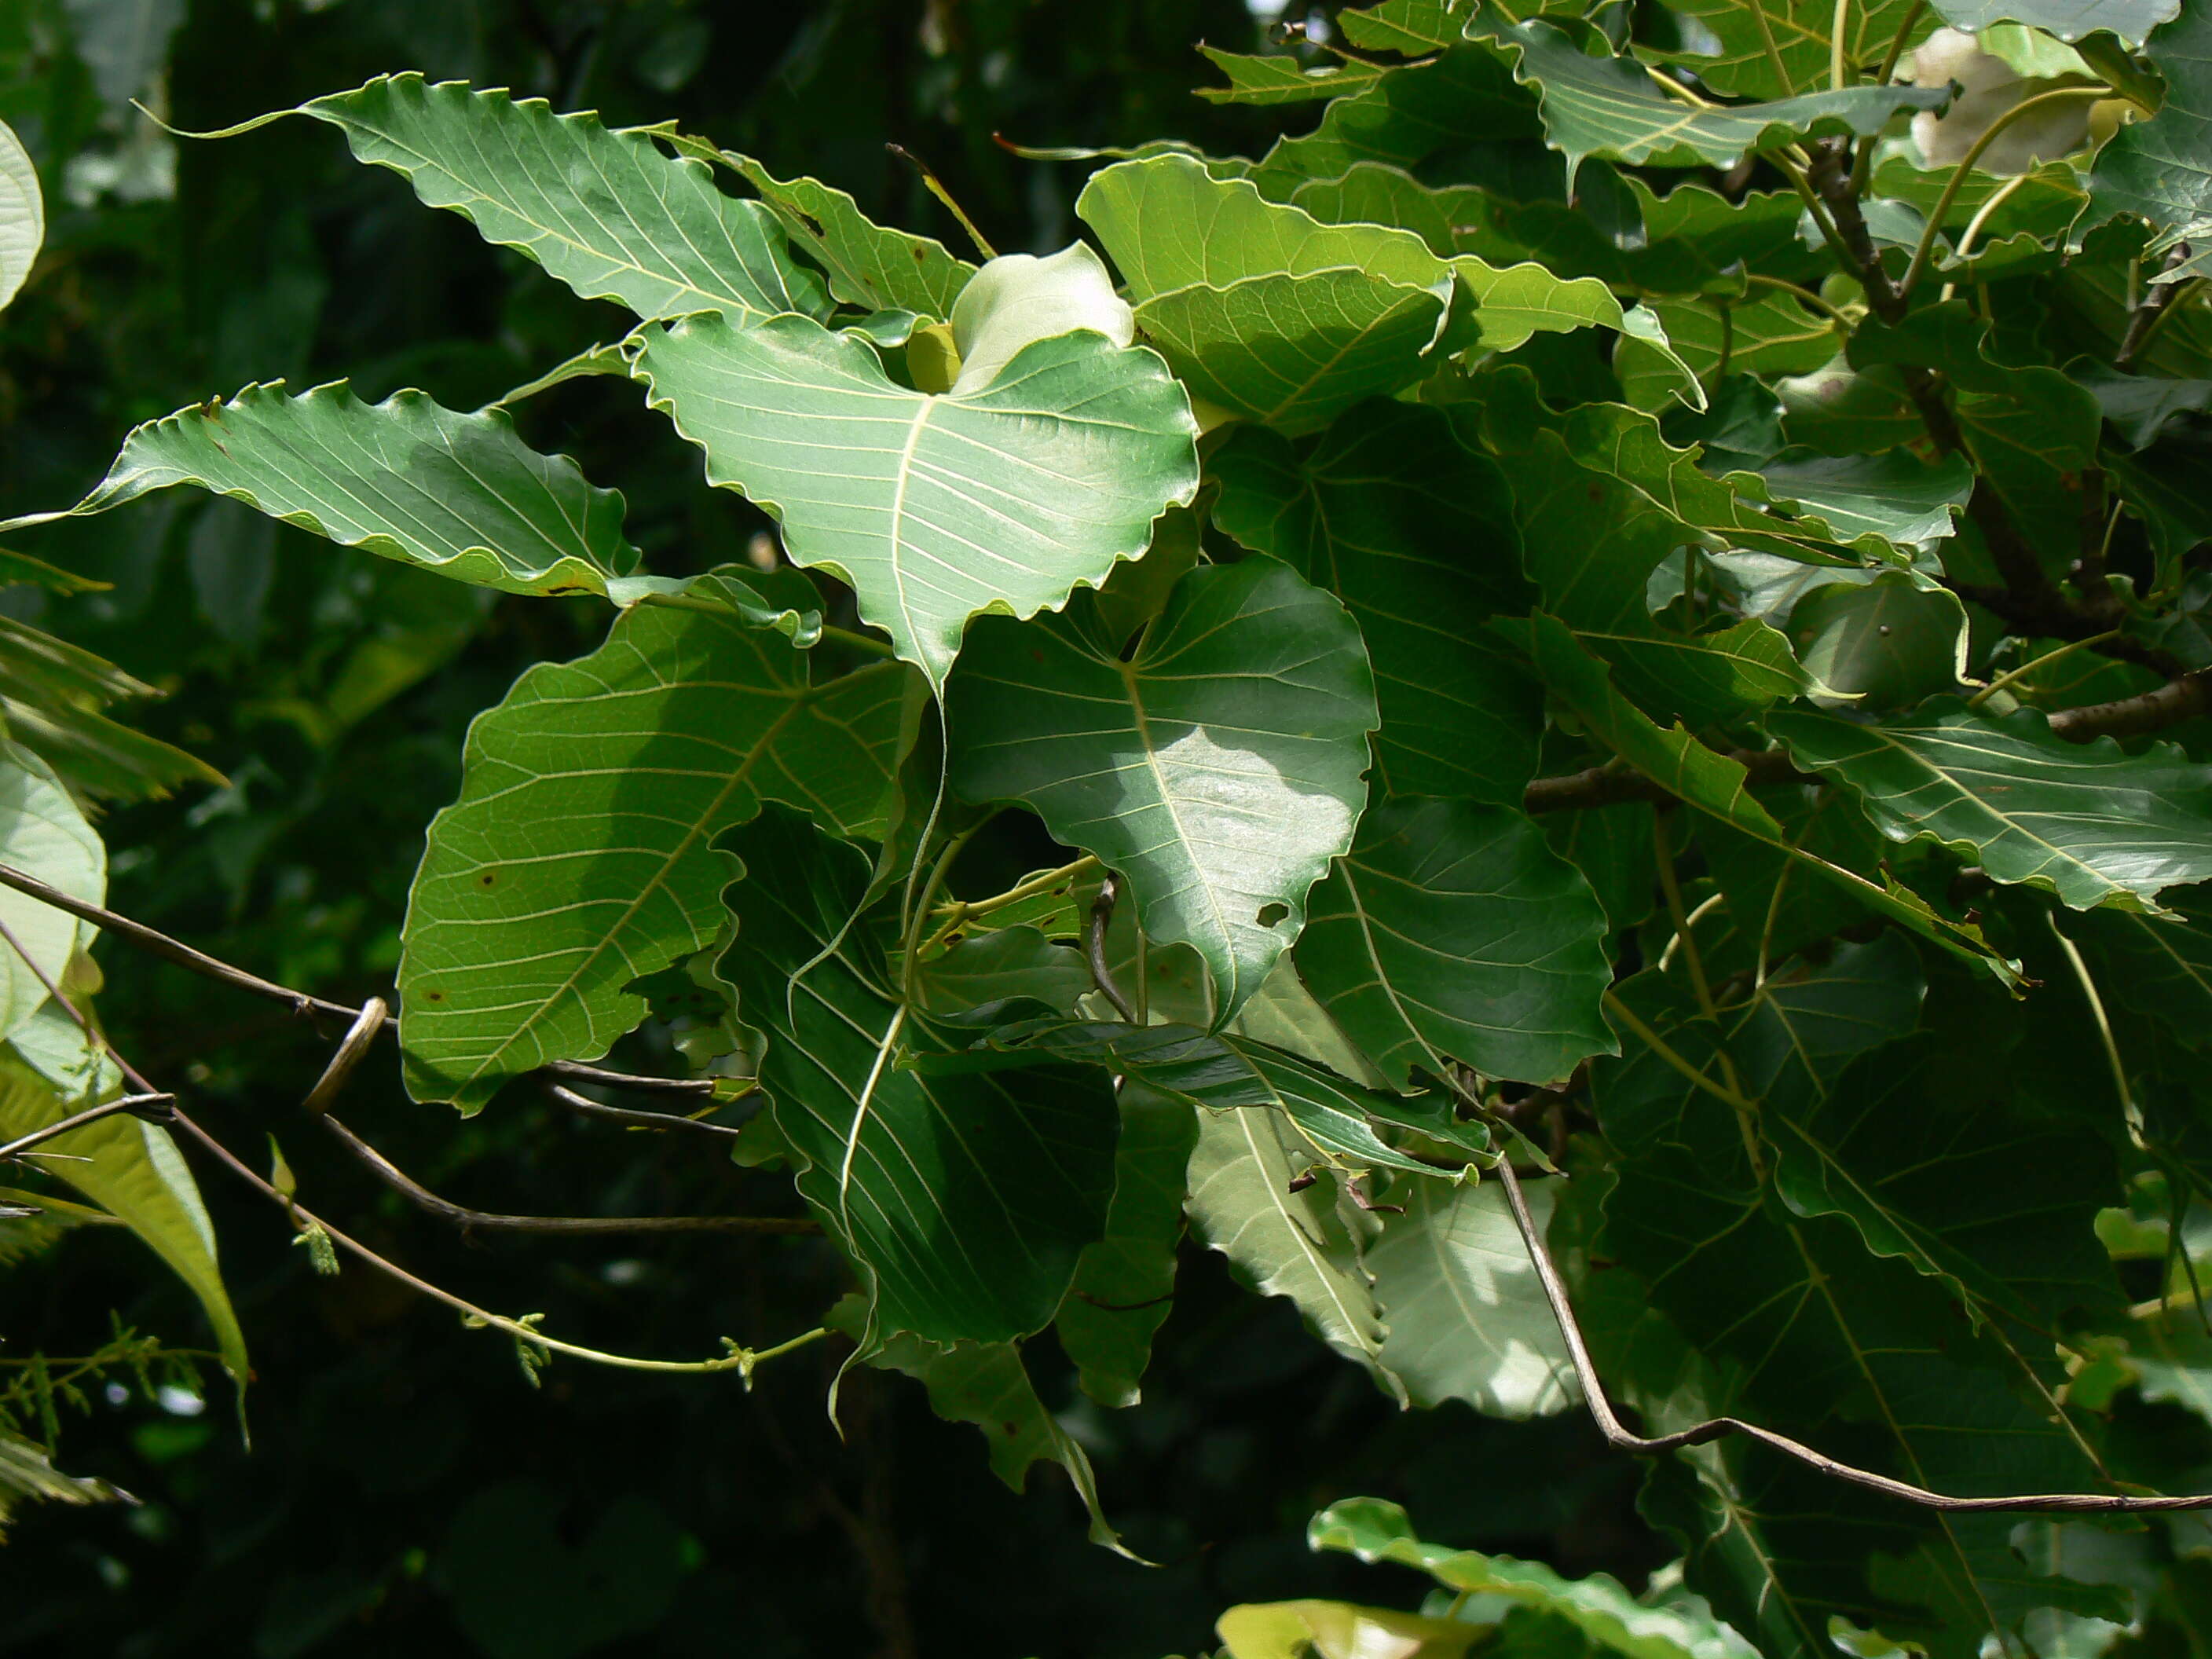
x,y
1094,947
1622,1438
570,1225
154,1108
185,956
2176,701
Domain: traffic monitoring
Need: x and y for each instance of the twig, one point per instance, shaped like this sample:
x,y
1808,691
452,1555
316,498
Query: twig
x,y
588,1107
185,956
1094,947
2156,304
570,1225
154,1108
1719,1428
935,185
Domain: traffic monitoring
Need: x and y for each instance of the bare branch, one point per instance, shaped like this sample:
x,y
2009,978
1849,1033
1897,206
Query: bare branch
x,y
154,1108
185,956
1720,1428
570,1225
586,1107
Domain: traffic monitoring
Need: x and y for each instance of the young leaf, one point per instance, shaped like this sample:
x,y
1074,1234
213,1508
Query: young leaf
x,y
1468,1319
1017,1166
1017,299
1453,932
2085,821
404,479
1398,516
1219,769
605,212
934,508
580,856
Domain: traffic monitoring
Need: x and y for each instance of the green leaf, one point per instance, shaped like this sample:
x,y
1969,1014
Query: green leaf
x,y
28,1475
133,1170
1263,309
1399,517
1279,78
1770,333
2156,169
1468,1319
2132,21
1610,107
1123,1283
580,856
1803,36
2159,967
1715,785
986,1383
1017,1166
1453,932
934,508
607,213
1612,1619
1219,769
1892,496
404,479
1465,96
1001,965
1411,27
1314,1629
1887,641
2089,821
1282,1243
52,694
22,213
870,265
42,833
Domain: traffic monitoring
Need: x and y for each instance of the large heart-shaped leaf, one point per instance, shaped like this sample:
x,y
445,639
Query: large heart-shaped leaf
x,y
608,213
934,508
580,855
1453,932
963,1200
1264,310
1219,769
2089,821
406,479
1391,512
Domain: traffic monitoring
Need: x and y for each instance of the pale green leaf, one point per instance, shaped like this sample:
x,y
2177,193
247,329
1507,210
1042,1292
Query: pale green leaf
x,y
1313,1629
42,833
22,213
934,508
1017,299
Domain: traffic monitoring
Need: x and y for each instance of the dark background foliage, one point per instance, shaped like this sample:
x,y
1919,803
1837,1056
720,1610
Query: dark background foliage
x,y
405,1490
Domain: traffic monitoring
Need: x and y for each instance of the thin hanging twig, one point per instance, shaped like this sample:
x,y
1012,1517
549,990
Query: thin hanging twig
x,y
584,1107
1621,1438
154,1108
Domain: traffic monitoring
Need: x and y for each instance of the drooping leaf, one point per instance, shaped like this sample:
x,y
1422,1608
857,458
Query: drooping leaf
x,y
42,833
1412,528
1467,1320
1610,107
1453,932
133,1170
606,212
1282,1243
22,213
1892,496
1219,769
1279,78
986,1383
2085,821
28,1475
869,264
1263,309
580,855
1124,1282
1598,1607
934,508
1016,1165
406,479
